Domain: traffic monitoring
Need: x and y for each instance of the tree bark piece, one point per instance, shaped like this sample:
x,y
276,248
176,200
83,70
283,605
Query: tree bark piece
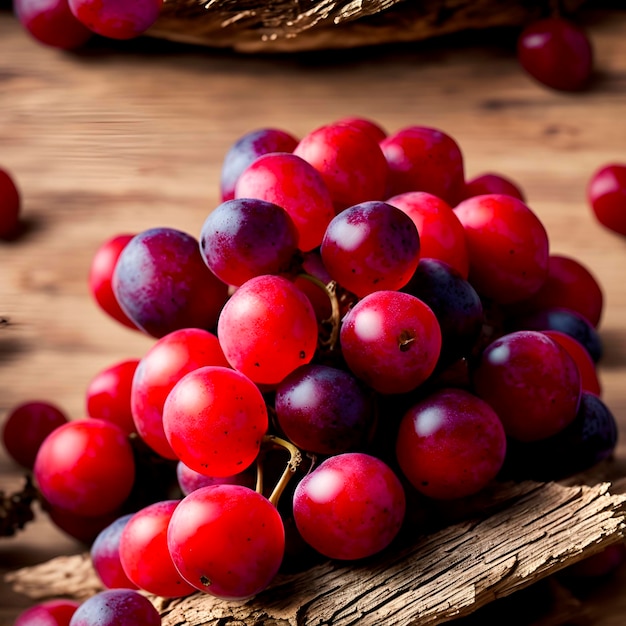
x,y
297,25
526,532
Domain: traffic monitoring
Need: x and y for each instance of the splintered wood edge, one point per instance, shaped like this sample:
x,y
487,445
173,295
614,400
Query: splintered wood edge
x,y
449,573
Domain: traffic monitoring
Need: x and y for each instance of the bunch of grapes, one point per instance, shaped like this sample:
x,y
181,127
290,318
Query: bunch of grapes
x,y
355,331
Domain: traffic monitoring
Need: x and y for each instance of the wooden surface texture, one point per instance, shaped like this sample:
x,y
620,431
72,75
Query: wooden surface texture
x,y
120,138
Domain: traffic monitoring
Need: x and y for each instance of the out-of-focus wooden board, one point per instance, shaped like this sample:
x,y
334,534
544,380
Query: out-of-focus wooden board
x,y
123,138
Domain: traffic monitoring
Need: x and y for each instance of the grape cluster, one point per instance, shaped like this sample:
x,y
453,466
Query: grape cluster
x,y
357,330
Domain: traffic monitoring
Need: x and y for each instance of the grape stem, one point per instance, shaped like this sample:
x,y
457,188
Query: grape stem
x,y
295,458
335,316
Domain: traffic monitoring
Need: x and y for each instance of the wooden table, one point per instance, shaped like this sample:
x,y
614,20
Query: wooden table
x,y
123,138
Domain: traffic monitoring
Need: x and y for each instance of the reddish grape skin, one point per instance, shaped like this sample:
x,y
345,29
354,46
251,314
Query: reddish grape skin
x,y
113,607
48,613
227,541
492,183
391,340
313,266
189,480
587,368
349,507
10,205
85,467
101,274
424,159
215,418
451,444
569,285
349,160
25,428
169,359
117,19
295,185
162,283
108,394
144,553
83,528
371,246
531,382
557,53
508,247
52,23
372,128
606,193
267,329
105,555
245,237
324,410
442,235
247,149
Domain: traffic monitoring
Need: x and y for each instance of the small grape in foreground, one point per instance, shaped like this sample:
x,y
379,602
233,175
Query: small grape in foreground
x,y
227,541
606,193
48,613
350,507
113,607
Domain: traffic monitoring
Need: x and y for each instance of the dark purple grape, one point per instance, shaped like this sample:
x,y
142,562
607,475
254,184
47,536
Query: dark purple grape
x,y
114,607
454,302
105,555
248,148
163,285
371,246
589,439
567,321
324,410
246,237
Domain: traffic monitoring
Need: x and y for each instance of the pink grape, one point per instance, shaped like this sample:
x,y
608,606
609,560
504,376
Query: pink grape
x,y
48,613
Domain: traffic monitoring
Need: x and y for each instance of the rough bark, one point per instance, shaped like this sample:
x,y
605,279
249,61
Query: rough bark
x,y
296,25
523,533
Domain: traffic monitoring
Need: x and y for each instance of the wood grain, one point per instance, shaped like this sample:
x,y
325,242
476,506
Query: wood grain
x,y
120,138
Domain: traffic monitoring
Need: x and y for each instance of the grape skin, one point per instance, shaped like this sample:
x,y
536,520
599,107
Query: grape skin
x,y
113,607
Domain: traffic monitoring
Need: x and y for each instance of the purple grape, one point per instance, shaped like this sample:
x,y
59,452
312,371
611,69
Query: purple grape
x,y
247,149
114,607
246,237
454,302
163,285
371,246
105,555
324,410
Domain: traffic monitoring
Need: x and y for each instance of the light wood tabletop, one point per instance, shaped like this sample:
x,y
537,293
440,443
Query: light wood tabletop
x,y
117,139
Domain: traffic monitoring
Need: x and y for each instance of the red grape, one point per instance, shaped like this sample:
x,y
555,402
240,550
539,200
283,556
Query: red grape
x,y
144,554
84,528
451,444
227,540
606,193
531,382
372,128
48,613
85,467
267,329
189,480
52,23
295,185
10,205
424,159
557,53
113,607
371,246
101,274
25,428
349,160
508,247
349,507
441,234
391,340
117,19
215,418
162,283
492,183
169,359
108,394
246,150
